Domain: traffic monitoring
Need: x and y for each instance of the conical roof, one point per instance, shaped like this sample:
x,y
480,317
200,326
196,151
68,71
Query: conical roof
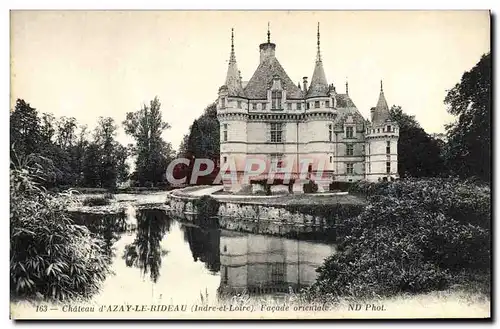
x,y
233,78
319,85
381,111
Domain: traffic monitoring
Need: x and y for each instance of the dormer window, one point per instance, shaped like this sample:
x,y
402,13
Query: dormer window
x,y
299,106
327,103
238,104
389,129
349,132
276,97
316,104
223,102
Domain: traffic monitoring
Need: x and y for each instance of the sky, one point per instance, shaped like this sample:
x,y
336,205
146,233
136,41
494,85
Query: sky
x,y
87,64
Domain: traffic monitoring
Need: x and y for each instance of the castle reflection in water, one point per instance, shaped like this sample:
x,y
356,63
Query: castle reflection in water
x,y
265,264
257,264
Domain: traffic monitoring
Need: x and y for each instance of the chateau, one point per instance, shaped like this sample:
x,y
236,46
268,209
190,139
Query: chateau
x,y
271,118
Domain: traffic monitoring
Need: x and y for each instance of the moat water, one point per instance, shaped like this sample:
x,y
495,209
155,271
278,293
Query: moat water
x,y
166,261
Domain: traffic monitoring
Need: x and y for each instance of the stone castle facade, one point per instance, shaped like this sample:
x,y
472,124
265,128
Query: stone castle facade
x,y
282,123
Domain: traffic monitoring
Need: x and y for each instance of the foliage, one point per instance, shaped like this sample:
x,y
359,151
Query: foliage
x,y
203,140
310,187
152,153
50,256
65,150
414,236
419,155
468,151
207,206
98,200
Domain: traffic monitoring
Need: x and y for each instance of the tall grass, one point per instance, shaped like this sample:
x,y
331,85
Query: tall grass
x,y
50,256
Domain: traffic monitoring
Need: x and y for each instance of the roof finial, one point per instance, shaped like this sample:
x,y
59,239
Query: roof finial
x,y
381,87
346,86
319,54
268,34
232,57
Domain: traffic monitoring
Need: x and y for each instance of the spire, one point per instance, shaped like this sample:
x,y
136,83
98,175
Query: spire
x,y
381,112
233,77
268,34
346,86
319,85
318,56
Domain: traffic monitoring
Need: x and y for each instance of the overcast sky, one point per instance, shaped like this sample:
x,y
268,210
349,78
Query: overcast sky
x,y
90,64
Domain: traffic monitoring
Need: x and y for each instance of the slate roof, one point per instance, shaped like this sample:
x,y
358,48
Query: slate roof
x,y
262,79
343,101
318,87
381,113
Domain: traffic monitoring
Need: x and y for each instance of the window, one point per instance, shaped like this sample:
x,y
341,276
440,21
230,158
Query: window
x,y
331,159
327,103
369,167
289,106
388,167
224,160
276,132
239,104
330,132
389,129
308,105
254,106
299,106
349,149
349,132
378,130
225,132
363,167
363,148
223,103
388,148
277,160
316,104
349,168
277,273
276,100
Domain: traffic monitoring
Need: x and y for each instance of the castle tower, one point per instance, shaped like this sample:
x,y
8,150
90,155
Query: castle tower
x,y
381,143
318,122
232,112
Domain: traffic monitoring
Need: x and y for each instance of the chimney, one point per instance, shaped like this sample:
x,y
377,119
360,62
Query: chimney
x,y
267,50
304,83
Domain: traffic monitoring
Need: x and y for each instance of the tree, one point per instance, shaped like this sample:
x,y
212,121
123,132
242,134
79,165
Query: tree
x,y
25,133
153,154
419,155
468,152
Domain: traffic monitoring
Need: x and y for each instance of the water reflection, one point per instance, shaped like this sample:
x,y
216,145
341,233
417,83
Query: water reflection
x,y
145,252
204,245
183,261
262,264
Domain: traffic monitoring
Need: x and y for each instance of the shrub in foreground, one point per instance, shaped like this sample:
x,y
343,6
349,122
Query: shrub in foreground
x,y
50,257
409,239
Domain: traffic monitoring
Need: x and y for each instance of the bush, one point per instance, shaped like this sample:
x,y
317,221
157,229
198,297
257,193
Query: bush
x,y
410,238
310,187
207,206
98,200
50,257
